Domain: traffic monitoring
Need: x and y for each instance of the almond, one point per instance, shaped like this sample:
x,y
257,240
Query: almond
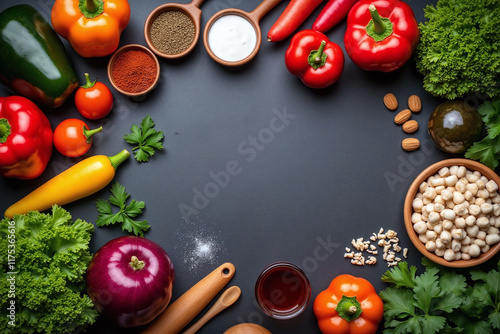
x,y
414,103
410,144
390,101
402,116
410,126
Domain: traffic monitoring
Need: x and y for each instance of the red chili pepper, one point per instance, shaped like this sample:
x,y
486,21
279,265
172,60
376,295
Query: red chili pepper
x,y
331,15
314,59
295,13
381,35
72,137
25,138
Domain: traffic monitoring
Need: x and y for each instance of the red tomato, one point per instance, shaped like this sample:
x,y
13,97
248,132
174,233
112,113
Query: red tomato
x,y
94,99
73,138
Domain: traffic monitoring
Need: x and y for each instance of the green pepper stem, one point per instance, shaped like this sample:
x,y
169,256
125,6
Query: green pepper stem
x,y
5,130
317,58
88,82
378,25
349,308
135,263
89,133
91,8
116,160
317,55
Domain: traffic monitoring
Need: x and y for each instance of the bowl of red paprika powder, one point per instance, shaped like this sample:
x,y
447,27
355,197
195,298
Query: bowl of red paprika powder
x,y
133,70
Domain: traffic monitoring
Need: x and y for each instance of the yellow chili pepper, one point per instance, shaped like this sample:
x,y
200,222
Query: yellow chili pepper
x,y
79,181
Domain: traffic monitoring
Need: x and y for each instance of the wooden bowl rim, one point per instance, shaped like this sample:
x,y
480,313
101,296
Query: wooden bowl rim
x,y
408,211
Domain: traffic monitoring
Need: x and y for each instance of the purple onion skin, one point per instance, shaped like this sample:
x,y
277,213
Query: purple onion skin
x,y
126,296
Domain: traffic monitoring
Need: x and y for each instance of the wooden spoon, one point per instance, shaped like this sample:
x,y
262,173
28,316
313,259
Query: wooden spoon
x,y
228,298
247,328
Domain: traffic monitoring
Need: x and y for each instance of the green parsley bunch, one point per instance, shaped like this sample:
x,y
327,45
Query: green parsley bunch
x,y
441,300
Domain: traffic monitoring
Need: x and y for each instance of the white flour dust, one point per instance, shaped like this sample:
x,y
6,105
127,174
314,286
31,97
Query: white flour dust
x,y
200,246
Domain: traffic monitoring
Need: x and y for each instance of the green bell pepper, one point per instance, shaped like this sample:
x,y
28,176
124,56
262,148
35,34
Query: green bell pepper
x,y
33,60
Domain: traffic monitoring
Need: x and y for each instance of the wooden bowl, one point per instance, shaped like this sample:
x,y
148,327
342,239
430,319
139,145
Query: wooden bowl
x,y
247,328
191,10
408,211
130,47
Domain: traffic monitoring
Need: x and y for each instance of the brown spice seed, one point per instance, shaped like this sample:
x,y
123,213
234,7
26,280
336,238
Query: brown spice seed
x,y
172,32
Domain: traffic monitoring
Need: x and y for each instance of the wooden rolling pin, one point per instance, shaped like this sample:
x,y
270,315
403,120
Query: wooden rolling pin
x,y
191,303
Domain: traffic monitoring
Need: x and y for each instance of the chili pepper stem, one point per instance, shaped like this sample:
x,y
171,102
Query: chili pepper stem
x,y
5,130
116,160
135,263
88,82
89,133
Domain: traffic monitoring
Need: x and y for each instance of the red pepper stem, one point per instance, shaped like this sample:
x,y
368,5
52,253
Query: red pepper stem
x,y
5,130
88,82
116,160
378,26
135,263
89,133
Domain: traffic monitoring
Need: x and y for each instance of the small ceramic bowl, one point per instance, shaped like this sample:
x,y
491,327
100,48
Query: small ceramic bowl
x,y
408,211
122,50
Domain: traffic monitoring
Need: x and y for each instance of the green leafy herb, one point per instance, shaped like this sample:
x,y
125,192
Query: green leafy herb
x,y
125,214
440,300
47,263
146,139
487,150
458,52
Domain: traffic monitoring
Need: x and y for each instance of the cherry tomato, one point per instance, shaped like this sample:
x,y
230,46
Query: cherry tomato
x,y
94,99
73,138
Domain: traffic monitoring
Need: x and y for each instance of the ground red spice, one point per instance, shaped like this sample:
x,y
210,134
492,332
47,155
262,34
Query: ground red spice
x,y
134,71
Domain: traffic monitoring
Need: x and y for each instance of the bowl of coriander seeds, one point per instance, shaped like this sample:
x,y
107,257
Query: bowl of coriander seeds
x,y
452,213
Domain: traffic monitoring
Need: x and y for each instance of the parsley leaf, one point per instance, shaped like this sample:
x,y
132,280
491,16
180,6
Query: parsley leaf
x,y
487,150
401,276
146,139
125,214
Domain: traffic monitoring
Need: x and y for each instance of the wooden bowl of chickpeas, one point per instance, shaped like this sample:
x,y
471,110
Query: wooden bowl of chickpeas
x,y
452,213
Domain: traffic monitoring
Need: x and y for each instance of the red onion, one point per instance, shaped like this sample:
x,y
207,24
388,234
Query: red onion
x,y
130,280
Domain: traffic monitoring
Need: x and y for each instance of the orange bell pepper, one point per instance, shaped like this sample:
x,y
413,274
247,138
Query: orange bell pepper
x,y
93,27
350,305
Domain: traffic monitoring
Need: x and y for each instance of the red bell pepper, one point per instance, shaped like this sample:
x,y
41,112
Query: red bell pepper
x,y
25,138
381,35
313,58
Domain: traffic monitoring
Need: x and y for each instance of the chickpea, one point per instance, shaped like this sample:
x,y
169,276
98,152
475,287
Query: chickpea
x,y
448,214
481,235
470,220
438,207
472,178
451,180
437,182
423,239
461,171
431,235
446,195
443,172
417,204
466,240
468,195
449,255
439,252
492,230
430,193
472,231
472,187
461,187
486,208
474,250
492,239
481,243
434,218
438,228
485,249
483,193
422,187
416,217
430,246
482,222
465,256
492,186
420,227
465,248
456,234
458,197
496,209
440,244
459,222
474,209
445,237
447,224
453,170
